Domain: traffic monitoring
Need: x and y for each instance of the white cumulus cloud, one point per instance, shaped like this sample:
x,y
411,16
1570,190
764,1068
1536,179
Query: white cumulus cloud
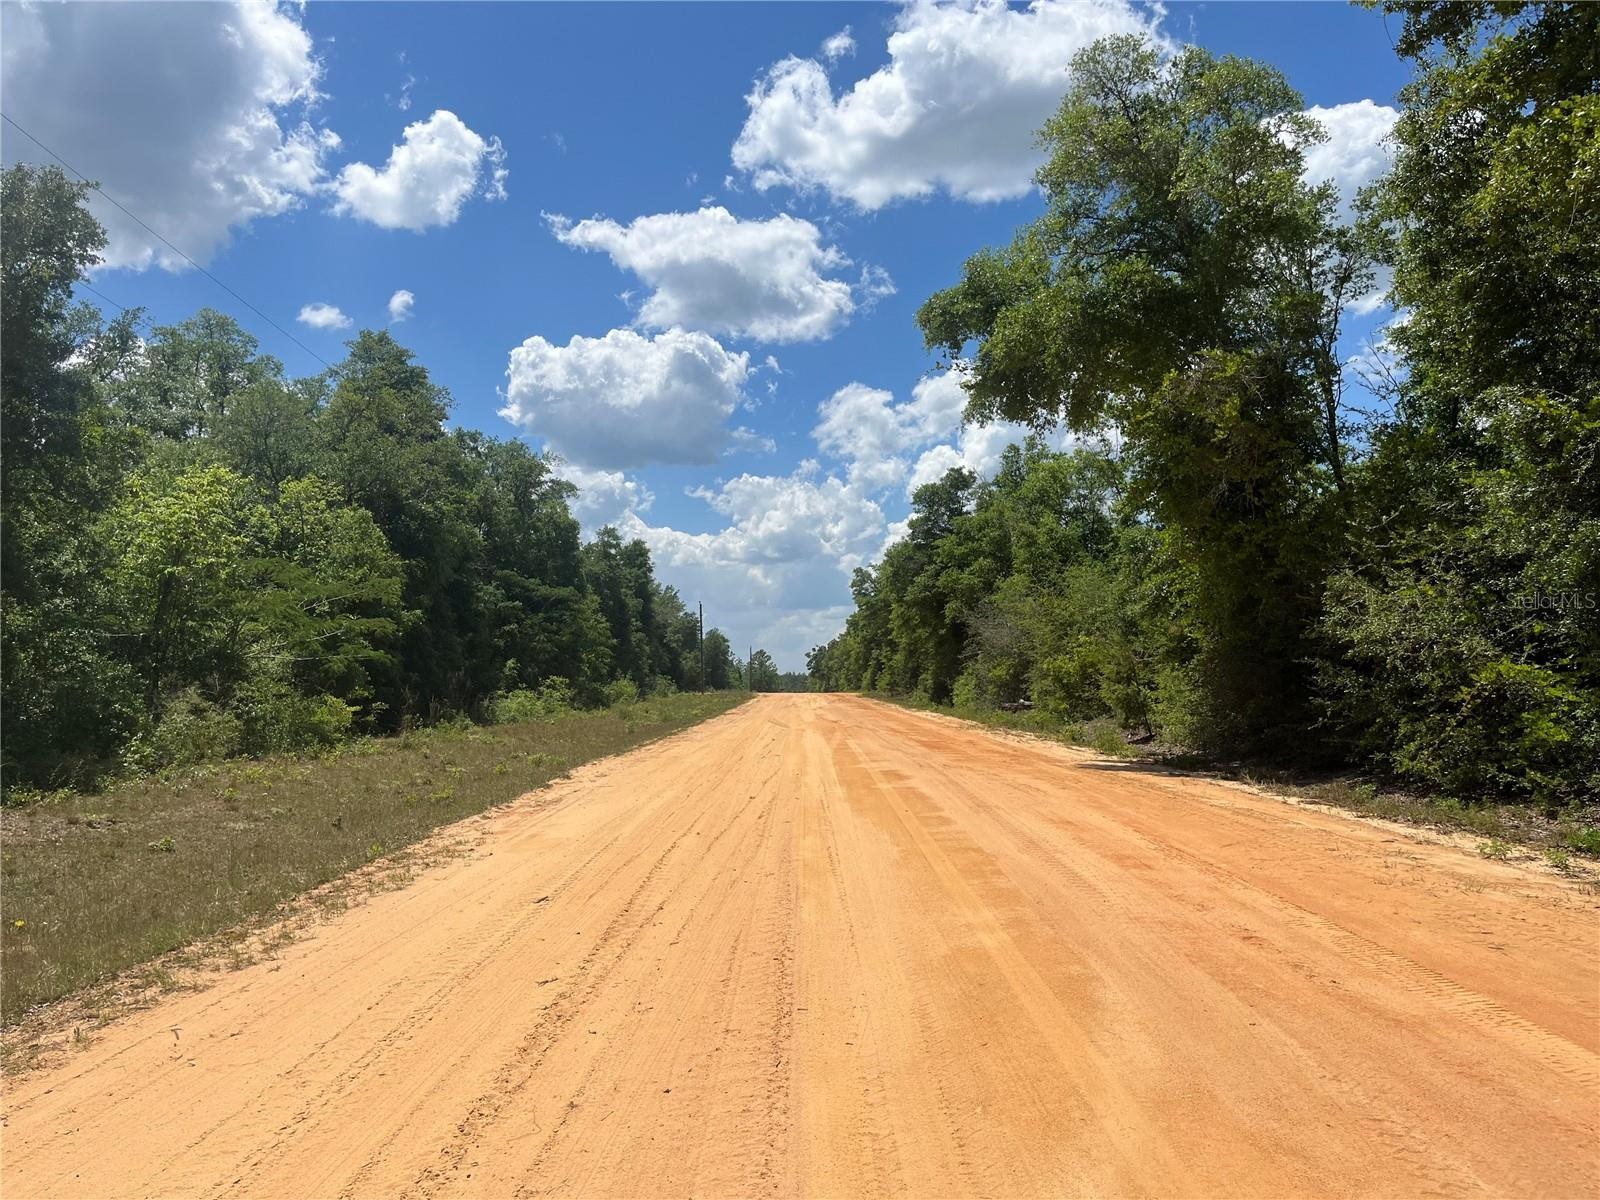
x,y
1357,151
604,497
400,305
765,279
626,400
956,107
191,115
437,167
323,316
978,448
777,573
839,45
867,430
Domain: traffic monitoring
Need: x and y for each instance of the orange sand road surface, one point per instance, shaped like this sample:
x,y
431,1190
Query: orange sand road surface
x,y
824,946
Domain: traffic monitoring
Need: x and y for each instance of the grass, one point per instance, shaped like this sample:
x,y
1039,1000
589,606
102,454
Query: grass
x,y
1559,835
95,884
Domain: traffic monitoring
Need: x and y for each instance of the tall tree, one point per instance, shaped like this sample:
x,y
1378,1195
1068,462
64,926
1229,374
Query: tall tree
x,y
1467,650
1185,285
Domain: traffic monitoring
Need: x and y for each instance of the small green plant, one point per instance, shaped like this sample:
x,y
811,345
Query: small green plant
x,y
165,845
1558,858
1585,840
1494,848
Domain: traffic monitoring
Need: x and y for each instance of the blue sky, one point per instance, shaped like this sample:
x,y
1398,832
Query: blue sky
x,y
685,220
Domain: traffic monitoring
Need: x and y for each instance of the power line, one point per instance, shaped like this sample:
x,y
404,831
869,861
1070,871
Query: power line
x,y
133,216
102,295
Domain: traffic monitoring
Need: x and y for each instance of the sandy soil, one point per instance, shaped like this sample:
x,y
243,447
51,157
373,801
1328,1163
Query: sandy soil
x,y
828,947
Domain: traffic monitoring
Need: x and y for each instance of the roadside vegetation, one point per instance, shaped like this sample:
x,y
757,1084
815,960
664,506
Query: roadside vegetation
x,y
1237,562
202,557
97,883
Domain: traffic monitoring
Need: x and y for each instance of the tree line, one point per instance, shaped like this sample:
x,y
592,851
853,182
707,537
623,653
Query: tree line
x,y
200,556
1245,562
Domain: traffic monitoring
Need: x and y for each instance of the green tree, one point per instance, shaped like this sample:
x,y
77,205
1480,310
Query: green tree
x,y
1185,284
722,667
763,673
1466,653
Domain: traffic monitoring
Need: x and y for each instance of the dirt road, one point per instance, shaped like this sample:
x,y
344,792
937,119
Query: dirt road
x,y
827,947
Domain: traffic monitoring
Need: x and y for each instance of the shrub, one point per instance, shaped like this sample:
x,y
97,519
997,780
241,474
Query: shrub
x,y
190,730
964,693
1068,685
553,698
278,720
1516,730
622,692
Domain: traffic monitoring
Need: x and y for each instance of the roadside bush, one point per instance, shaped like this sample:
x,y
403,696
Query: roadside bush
x,y
191,730
279,720
1068,685
1517,730
553,697
964,694
622,692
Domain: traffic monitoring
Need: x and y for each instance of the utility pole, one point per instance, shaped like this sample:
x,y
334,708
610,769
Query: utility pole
x,y
702,609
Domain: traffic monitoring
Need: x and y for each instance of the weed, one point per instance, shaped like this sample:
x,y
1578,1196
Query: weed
x,y
1585,840
1558,858
165,844
1494,848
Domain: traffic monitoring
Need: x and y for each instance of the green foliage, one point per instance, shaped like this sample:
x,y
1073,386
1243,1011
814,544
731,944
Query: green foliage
x,y
1185,285
763,675
622,693
203,557
1465,647
1254,572
191,730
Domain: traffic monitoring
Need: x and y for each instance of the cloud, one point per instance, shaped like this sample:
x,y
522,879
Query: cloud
x,y
765,279
744,440
400,306
625,400
323,316
839,45
1357,151
777,573
191,115
867,430
604,497
956,107
437,167
874,286
979,448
